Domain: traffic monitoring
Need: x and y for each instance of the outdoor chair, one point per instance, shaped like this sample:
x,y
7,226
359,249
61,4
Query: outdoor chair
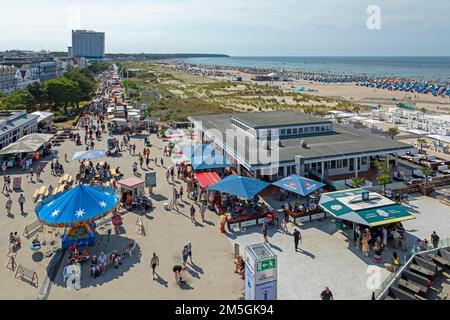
x,y
129,250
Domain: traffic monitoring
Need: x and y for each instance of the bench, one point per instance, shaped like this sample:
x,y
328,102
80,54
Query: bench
x,y
32,229
27,274
36,195
416,278
424,263
440,260
400,294
422,271
413,286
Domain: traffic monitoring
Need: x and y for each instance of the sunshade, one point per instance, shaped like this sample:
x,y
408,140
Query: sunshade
x,y
377,210
300,185
89,154
206,162
240,186
207,178
82,203
27,144
197,150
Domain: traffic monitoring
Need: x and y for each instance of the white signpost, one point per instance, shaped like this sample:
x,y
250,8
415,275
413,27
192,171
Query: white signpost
x,y
260,272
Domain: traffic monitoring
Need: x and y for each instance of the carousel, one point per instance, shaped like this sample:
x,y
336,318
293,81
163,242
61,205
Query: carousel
x,y
76,210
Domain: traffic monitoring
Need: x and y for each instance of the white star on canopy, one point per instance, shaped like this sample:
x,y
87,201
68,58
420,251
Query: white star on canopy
x,y
55,213
80,213
102,204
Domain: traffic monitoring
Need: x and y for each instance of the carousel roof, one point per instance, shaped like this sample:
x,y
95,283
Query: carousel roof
x,y
82,203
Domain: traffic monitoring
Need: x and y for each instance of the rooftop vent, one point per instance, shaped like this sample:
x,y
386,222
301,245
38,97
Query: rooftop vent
x,y
303,144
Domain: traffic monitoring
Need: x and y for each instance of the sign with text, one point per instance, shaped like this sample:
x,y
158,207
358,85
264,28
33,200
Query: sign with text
x,y
150,179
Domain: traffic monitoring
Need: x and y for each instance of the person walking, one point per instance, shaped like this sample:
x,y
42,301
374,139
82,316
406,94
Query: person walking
x,y
184,255
4,167
134,166
162,162
192,210
326,294
265,229
153,263
21,201
297,238
5,184
189,251
203,210
285,222
8,206
181,193
435,240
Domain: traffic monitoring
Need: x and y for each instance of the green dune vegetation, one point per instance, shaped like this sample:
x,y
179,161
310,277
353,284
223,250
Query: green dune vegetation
x,y
173,95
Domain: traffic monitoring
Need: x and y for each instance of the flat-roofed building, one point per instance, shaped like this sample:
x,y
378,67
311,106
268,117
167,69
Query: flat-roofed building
x,y
15,124
88,44
298,142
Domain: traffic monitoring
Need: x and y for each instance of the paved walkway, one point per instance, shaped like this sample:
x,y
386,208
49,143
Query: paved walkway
x,y
211,277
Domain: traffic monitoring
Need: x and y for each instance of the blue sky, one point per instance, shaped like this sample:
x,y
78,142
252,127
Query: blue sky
x,y
235,27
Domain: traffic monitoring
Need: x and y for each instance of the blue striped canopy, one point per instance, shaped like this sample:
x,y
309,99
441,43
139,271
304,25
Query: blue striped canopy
x,y
239,186
88,154
300,185
82,203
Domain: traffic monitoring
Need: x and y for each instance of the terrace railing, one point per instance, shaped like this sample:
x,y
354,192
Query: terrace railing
x,y
383,289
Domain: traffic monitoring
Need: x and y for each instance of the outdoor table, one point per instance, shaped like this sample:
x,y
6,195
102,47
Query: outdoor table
x,y
408,285
59,189
72,269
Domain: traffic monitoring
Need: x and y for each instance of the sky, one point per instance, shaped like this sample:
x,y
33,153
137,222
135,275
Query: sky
x,y
234,27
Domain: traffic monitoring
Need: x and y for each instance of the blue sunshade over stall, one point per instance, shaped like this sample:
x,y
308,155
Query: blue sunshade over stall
x,y
299,185
89,154
80,204
239,186
210,162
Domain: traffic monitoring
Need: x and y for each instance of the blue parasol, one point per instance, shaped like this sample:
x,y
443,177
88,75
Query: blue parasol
x,y
81,204
89,154
298,184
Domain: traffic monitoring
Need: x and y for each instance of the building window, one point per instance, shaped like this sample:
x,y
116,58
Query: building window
x,y
289,131
364,161
333,164
306,129
294,131
283,131
300,130
345,163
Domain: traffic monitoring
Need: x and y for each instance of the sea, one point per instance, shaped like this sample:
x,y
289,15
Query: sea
x,y
423,68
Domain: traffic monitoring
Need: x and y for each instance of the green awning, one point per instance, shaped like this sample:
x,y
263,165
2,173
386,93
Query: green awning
x,y
374,211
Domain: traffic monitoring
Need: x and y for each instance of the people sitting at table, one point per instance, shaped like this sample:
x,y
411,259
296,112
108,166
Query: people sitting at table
x,y
239,263
116,258
96,267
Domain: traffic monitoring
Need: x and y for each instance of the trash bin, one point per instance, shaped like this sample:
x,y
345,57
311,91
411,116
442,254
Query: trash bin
x,y
166,206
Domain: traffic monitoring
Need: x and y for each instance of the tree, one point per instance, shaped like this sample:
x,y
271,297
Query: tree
x,y
384,179
36,89
427,171
392,132
19,99
62,92
358,182
421,141
86,84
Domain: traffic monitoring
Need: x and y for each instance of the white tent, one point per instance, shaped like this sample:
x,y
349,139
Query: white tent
x,y
27,144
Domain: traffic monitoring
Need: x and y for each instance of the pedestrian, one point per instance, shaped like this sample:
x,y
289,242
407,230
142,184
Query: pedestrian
x,y
162,162
192,210
8,206
184,255
153,263
285,221
134,149
203,210
4,167
141,160
326,294
5,184
181,193
21,201
177,271
297,238
365,245
31,174
189,251
147,162
38,173
264,231
435,240
134,166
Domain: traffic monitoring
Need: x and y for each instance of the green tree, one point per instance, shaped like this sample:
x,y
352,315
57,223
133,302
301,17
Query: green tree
x,y
38,92
358,182
421,142
427,171
19,99
86,85
392,132
62,92
384,179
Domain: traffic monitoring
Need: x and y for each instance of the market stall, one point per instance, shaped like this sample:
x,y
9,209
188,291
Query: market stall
x,y
303,207
362,207
27,149
132,193
76,210
238,200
